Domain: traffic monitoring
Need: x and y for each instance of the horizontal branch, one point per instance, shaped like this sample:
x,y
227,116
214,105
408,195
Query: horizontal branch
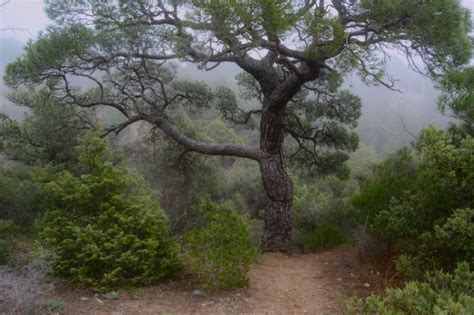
x,y
222,149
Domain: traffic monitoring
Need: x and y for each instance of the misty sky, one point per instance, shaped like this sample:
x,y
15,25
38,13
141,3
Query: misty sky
x,y
24,14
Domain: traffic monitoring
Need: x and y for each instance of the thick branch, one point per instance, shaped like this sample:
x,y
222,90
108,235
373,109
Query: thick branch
x,y
222,149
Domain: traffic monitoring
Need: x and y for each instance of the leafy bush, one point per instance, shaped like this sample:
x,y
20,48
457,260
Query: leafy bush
x,y
321,206
452,241
392,178
441,293
54,305
323,238
410,267
320,213
21,200
6,242
105,230
219,252
420,216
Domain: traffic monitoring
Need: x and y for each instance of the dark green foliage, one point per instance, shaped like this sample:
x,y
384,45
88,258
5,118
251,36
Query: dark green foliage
x,y
321,212
180,179
420,214
323,238
219,252
441,293
21,199
444,183
55,45
320,128
105,230
458,93
457,100
55,305
411,267
317,118
48,132
425,208
451,241
391,179
442,24
6,240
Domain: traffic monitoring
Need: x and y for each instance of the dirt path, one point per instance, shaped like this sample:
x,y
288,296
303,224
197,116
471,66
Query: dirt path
x,y
285,284
279,284
309,284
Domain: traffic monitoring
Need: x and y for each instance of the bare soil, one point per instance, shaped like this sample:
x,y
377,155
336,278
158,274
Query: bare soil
x,y
279,284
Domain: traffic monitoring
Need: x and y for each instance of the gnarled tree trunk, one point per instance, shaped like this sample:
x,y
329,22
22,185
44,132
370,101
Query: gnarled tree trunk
x,y
277,184
278,201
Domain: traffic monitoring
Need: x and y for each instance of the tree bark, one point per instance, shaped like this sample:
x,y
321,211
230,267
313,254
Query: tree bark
x,y
276,182
279,197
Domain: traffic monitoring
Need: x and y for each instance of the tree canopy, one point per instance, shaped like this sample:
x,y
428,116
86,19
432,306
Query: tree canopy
x,y
120,47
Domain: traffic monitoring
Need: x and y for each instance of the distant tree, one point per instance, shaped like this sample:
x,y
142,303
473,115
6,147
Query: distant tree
x,y
48,132
293,54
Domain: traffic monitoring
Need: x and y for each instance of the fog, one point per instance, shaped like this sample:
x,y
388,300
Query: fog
x,y
389,118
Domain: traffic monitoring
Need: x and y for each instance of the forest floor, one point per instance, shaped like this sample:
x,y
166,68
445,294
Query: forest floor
x,y
318,283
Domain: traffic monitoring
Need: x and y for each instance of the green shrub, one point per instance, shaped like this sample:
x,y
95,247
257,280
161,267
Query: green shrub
x,y
451,241
322,211
54,305
319,208
21,200
112,295
393,177
105,230
219,253
6,242
441,293
430,217
325,237
410,267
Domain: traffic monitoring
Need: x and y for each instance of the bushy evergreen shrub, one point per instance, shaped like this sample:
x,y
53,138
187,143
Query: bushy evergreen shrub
x,y
105,230
21,200
429,217
325,237
451,241
322,210
441,293
219,251
321,214
391,179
